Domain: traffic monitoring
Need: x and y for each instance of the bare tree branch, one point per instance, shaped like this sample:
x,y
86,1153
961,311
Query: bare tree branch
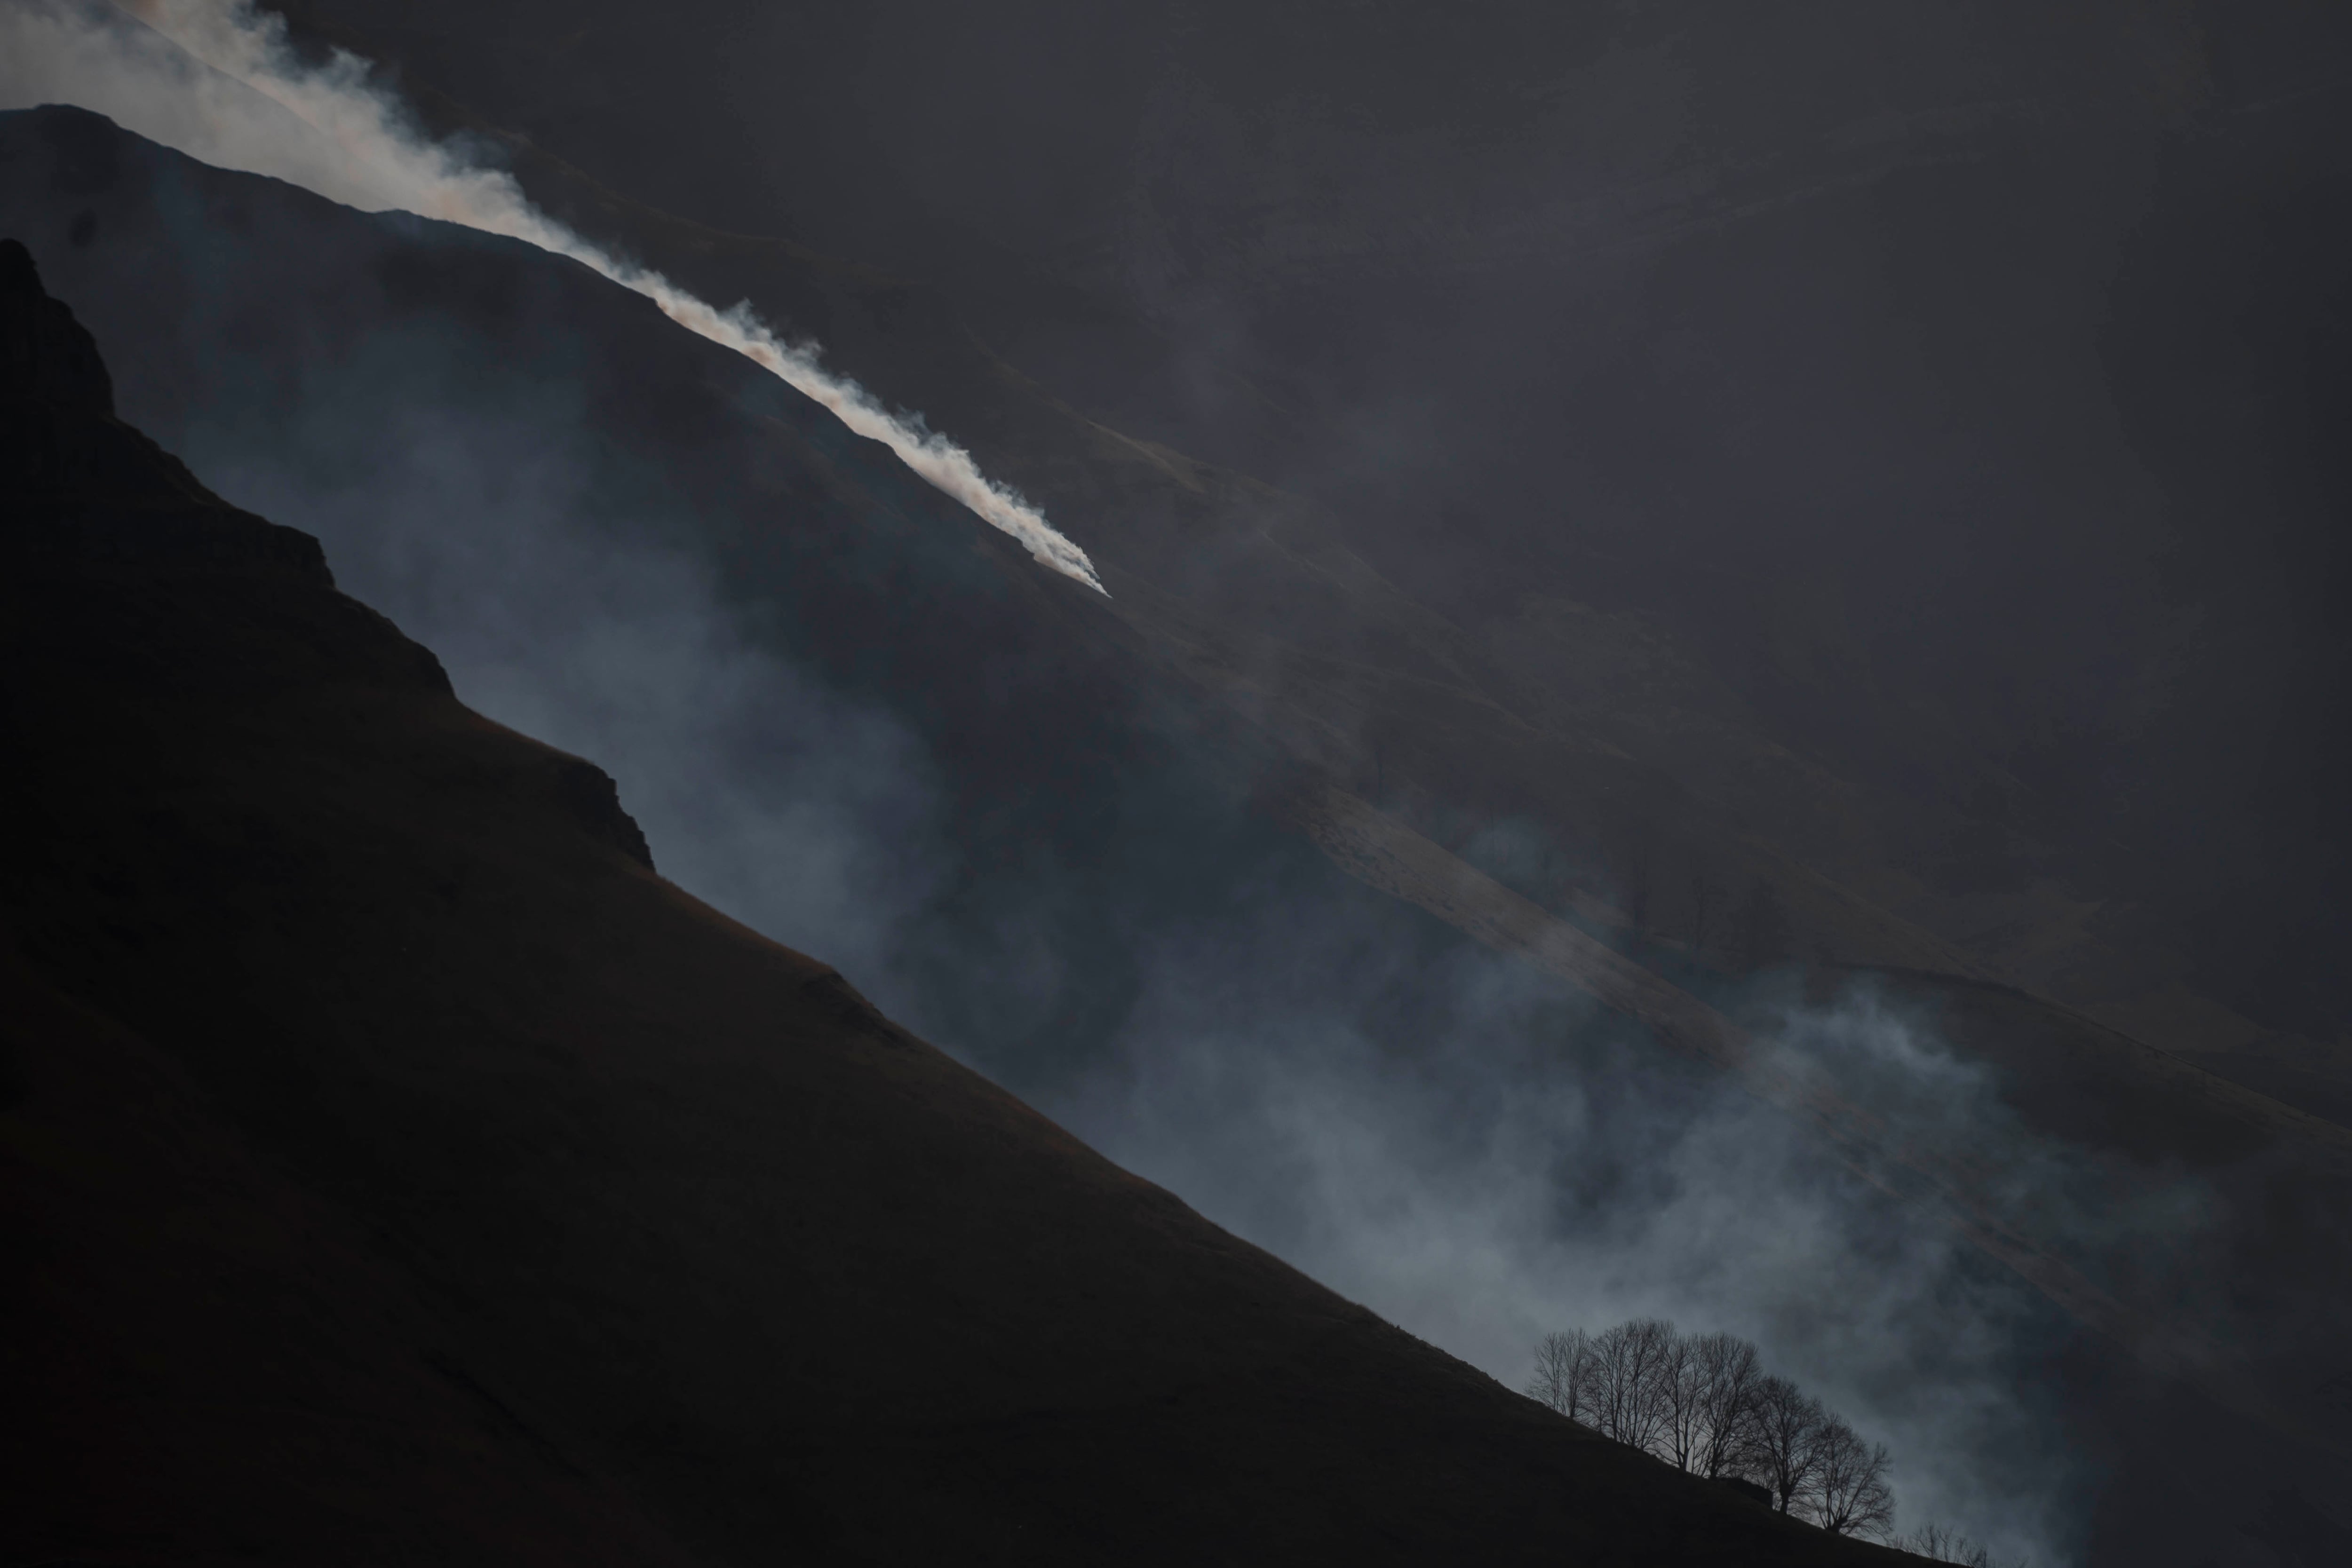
x,y
1563,1374
1703,1404
1626,1402
1682,1396
1850,1494
1731,1381
1788,1441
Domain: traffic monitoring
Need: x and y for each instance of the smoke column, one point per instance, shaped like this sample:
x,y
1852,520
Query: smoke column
x,y
340,135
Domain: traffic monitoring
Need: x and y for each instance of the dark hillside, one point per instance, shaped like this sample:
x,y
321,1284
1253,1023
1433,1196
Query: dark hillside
x,y
1100,767
280,333
397,1168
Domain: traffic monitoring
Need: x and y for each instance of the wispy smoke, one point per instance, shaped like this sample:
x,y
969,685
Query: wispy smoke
x,y
1456,1140
1459,1140
1510,1162
217,80
770,796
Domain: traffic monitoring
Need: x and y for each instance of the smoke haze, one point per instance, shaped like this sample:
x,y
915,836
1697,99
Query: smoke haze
x,y
1465,1146
215,79
1461,1144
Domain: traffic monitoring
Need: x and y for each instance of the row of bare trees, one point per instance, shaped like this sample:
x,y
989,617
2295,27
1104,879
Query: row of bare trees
x,y
1705,1403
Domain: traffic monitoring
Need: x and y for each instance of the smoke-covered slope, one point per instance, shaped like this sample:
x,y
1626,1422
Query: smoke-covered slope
x,y
1093,806
402,1168
1849,415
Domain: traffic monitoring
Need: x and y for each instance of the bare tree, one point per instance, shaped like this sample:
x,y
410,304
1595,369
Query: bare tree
x,y
1563,1375
1682,1395
1625,1376
1703,1404
1731,1380
1850,1494
1787,1457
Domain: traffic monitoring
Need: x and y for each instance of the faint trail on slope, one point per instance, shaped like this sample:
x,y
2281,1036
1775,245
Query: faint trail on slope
x,y
153,79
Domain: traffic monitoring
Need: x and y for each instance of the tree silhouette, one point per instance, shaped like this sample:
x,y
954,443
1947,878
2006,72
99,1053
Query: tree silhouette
x,y
1628,1366
1703,1403
1731,1380
1850,1494
1788,1441
1682,1399
1563,1374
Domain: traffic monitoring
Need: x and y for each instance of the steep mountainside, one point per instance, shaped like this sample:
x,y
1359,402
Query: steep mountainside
x,y
398,1168
1209,775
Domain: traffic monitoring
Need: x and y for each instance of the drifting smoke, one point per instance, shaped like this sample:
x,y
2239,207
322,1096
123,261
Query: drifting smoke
x,y
1512,1162
331,130
1463,1145
1460,1142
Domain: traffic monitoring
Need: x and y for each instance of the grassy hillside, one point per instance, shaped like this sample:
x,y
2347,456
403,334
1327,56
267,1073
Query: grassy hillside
x,y
397,1168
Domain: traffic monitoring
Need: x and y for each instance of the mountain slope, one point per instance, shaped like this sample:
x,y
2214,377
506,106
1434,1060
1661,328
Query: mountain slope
x,y
1744,390
324,977
232,298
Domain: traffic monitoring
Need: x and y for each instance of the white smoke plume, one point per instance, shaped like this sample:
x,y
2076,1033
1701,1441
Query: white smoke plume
x,y
216,79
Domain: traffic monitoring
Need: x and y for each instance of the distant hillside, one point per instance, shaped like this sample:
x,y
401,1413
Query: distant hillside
x,y
1875,460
